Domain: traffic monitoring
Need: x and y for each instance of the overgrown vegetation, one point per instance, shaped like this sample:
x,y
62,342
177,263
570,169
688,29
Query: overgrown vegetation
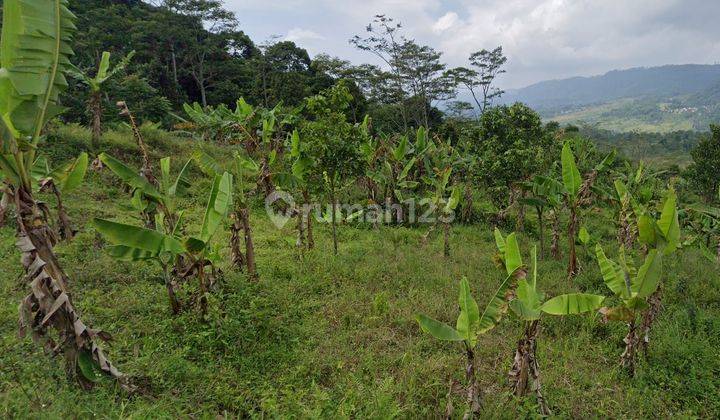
x,y
319,318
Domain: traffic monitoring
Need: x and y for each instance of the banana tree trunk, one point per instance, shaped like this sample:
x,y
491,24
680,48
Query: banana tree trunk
x,y
171,285
96,110
249,245
333,216
625,236
238,259
204,290
627,359
541,228
467,206
4,205
649,317
555,245
300,243
572,269
524,375
49,306
473,388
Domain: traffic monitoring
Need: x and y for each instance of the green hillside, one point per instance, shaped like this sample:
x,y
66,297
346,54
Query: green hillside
x,y
644,115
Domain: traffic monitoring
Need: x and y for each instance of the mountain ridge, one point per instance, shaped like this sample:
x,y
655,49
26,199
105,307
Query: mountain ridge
x,y
660,98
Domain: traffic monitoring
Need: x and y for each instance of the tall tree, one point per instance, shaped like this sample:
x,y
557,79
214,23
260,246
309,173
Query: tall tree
x,y
385,41
334,143
424,76
480,78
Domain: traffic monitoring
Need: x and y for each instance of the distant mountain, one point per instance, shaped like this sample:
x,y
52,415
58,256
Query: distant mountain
x,y
666,98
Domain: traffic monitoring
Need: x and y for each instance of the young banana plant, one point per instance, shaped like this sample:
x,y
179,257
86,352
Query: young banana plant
x,y
295,180
470,325
639,289
578,193
445,197
544,193
528,305
167,219
96,85
178,255
34,55
443,207
246,175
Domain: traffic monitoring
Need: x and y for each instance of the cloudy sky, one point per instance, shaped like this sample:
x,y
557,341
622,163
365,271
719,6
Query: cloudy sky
x,y
543,39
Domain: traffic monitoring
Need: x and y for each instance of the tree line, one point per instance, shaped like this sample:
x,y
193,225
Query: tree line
x,y
188,51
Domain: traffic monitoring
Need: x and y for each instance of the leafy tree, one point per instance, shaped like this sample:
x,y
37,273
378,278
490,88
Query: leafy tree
x,y
703,172
415,77
283,74
425,76
34,54
334,142
480,79
511,147
96,85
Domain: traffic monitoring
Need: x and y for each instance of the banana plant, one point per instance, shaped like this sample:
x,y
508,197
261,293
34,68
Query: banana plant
x,y
578,193
161,202
544,193
444,196
295,179
96,85
35,57
179,255
245,174
471,324
5,200
443,202
638,288
529,305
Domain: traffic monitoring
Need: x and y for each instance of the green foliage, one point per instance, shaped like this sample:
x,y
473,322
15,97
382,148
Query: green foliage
x,y
570,173
702,173
511,147
529,303
30,89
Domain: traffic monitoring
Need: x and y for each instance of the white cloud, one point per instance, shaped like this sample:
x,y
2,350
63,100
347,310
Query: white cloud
x,y
543,39
445,22
299,35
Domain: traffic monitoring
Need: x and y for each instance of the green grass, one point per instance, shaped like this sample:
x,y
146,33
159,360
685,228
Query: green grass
x,y
629,115
324,336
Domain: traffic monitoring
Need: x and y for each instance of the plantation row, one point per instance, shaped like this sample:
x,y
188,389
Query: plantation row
x,y
313,153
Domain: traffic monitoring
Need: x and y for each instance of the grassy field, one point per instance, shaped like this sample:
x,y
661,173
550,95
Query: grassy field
x,y
324,336
629,115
